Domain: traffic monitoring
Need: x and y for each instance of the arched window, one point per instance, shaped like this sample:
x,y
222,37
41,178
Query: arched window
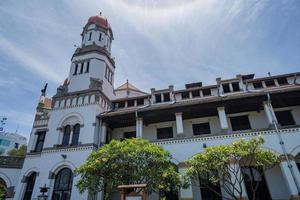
x,y
29,186
76,131
63,185
66,136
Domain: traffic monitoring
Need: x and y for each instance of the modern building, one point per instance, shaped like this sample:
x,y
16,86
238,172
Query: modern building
x,y
88,111
9,141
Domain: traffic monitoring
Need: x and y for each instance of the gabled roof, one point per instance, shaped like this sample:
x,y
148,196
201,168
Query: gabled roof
x,y
129,87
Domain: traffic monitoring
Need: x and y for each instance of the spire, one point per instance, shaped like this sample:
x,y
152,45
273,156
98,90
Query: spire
x,y
43,91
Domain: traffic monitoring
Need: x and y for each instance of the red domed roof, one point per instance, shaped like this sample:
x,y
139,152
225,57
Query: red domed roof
x,y
99,21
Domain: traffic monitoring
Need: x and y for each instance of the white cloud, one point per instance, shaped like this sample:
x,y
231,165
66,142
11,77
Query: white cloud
x,y
28,61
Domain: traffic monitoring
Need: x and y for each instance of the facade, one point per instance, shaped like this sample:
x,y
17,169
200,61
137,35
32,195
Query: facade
x,y
9,141
87,112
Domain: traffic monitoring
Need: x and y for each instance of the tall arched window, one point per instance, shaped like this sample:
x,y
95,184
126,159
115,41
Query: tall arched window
x,y
76,131
29,186
63,185
66,136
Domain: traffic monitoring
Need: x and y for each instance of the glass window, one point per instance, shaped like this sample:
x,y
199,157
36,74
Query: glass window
x,y
282,81
29,186
226,88
100,36
239,123
158,98
63,185
121,104
131,134
90,36
16,145
75,137
235,86
206,92
270,83
76,68
87,67
166,96
81,68
257,85
164,133
208,189
40,141
200,129
285,118
66,136
196,93
4,142
130,103
185,95
140,102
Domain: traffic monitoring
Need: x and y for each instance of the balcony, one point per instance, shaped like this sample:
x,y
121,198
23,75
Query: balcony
x,y
40,123
11,162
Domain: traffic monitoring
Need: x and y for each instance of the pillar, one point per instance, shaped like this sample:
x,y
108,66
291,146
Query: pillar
x,y
103,133
269,113
139,127
186,194
179,123
222,118
290,183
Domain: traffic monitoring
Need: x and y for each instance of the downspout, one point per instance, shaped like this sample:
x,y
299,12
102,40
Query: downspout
x,y
281,142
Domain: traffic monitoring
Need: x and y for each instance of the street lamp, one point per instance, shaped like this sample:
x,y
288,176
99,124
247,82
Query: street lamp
x,y
43,190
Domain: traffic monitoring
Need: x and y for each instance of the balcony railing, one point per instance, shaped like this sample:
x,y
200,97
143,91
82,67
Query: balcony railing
x,y
11,162
40,123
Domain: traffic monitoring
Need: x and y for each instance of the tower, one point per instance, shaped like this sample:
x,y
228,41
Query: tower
x,y
92,61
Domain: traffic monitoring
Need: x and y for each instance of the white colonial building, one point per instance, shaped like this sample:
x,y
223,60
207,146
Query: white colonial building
x,y
87,112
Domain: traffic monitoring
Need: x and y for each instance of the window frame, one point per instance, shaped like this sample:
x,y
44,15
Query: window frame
x,y
285,118
202,131
240,127
160,131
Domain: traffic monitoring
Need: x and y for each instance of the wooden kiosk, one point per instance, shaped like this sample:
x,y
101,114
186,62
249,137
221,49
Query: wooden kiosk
x,y
129,192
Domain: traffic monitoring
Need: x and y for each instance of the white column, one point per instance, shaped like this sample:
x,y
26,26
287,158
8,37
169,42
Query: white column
x,y
269,112
71,135
179,124
103,133
139,127
290,183
188,192
222,118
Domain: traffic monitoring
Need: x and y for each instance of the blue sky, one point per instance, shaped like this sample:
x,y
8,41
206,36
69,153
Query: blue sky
x,y
157,43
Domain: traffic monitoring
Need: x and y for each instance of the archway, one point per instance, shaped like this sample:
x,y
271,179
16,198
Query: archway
x,y
63,185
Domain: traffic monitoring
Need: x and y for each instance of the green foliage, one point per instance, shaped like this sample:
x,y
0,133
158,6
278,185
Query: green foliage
x,y
21,152
2,191
132,161
226,159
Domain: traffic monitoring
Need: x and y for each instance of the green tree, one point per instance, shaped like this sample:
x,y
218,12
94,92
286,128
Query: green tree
x,y
21,152
222,165
2,189
132,161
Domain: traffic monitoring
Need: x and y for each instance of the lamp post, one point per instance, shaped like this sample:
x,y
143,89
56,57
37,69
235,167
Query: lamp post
x,y
43,190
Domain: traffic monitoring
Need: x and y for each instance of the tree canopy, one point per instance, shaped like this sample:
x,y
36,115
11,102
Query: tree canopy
x,y
132,161
21,152
223,164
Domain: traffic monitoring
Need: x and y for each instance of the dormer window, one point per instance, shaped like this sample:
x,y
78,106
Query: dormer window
x,y
90,36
